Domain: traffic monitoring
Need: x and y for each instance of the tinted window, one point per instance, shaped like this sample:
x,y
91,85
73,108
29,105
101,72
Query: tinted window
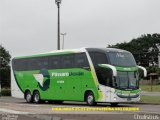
x,y
104,76
121,59
68,61
98,58
55,62
42,62
81,60
52,62
32,64
20,64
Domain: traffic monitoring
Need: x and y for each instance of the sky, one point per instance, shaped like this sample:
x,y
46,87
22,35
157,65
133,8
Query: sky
x,y
30,26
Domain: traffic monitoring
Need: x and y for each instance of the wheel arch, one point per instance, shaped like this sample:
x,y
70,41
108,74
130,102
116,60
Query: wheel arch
x,y
87,91
35,91
27,90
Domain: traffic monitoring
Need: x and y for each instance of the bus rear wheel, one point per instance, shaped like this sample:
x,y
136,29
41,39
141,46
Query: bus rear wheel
x,y
57,101
90,99
36,97
28,97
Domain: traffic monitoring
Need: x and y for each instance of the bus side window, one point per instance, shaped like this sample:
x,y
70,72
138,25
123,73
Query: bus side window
x,y
18,64
55,62
15,64
42,63
100,58
81,60
32,64
68,61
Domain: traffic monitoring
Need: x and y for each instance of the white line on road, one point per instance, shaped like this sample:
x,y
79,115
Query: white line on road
x,y
12,111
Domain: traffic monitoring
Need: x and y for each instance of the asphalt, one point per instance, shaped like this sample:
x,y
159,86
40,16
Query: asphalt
x,y
20,110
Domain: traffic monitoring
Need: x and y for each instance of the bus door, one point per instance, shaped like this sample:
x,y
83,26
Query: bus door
x,y
105,81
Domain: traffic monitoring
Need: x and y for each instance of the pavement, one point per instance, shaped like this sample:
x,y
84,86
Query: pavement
x,y
18,109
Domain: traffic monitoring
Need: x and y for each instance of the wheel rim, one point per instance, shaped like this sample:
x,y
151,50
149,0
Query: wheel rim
x,y
28,97
90,99
36,98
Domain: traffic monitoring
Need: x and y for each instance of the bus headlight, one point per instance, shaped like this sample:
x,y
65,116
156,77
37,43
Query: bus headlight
x,y
115,98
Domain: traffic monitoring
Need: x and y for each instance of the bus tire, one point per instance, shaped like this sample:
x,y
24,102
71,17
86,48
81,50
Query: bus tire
x,y
58,101
36,97
50,101
90,99
114,104
28,97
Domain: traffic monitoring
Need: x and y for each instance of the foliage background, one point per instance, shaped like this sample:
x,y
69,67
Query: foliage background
x,y
145,49
5,58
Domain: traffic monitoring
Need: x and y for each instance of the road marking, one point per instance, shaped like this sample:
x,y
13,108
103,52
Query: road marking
x,y
52,105
12,111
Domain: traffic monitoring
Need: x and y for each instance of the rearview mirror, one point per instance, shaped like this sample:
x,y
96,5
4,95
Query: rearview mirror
x,y
111,67
144,70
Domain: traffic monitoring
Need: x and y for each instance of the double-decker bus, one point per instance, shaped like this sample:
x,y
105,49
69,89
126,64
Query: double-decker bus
x,y
87,74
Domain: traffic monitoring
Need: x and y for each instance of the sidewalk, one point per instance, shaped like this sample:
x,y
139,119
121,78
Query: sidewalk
x,y
150,93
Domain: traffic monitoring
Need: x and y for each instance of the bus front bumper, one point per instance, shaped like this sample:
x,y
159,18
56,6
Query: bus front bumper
x,y
125,99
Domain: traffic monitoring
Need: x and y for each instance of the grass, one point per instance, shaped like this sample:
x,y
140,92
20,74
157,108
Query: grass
x,y
155,88
150,99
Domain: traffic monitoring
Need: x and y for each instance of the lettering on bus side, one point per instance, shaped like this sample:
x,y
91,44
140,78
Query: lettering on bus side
x,y
60,74
60,81
66,74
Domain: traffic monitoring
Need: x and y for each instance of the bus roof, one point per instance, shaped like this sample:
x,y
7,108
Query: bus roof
x,y
55,52
106,50
69,51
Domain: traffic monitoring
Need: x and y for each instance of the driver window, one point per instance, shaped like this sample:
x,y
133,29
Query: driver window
x,y
103,74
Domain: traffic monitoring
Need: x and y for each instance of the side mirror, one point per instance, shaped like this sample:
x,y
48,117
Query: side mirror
x,y
111,67
144,70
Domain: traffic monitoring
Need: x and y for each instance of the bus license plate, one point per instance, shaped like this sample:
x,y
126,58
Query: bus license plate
x,y
129,99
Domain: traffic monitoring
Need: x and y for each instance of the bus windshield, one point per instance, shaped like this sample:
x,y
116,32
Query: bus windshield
x,y
121,59
127,80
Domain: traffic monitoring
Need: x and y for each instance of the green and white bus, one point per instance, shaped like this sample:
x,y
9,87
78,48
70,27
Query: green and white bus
x,y
87,74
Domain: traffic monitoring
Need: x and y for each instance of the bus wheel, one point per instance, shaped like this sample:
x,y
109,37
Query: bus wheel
x,y
90,99
36,97
50,101
114,104
28,97
58,101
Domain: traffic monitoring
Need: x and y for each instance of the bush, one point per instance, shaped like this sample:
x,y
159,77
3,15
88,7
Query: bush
x,y
153,70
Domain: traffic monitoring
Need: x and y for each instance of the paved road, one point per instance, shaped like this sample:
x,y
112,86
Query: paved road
x,y
44,111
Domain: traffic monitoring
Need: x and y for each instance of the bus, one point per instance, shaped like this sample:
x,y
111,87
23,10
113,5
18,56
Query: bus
x,y
87,74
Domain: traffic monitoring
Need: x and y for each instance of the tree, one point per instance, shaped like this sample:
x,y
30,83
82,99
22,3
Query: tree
x,y
145,49
4,67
